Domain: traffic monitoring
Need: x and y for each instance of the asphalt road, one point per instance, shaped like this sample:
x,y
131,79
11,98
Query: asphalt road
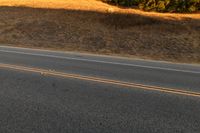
x,y
38,103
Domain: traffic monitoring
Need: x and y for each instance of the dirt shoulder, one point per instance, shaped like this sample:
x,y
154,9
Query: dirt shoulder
x,y
104,29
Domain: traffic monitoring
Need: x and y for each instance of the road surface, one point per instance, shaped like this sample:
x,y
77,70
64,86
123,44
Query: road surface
x,y
57,92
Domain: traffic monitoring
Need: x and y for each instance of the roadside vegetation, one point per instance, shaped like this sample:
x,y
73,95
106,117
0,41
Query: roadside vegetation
x,y
160,5
96,27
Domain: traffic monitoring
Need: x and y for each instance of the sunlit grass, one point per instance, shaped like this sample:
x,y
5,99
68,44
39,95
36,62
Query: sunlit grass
x,y
75,4
92,5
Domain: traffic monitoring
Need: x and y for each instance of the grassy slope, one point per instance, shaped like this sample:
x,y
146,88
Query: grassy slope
x,y
91,26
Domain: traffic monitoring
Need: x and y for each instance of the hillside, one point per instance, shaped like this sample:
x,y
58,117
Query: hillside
x,y
96,27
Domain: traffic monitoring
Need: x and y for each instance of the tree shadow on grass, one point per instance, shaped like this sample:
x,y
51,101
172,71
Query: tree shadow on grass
x,y
101,32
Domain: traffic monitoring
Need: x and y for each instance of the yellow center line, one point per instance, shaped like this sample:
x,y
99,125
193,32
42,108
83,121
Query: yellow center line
x,y
101,80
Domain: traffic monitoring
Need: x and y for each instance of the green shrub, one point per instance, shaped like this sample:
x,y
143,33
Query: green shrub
x,y
154,5
161,5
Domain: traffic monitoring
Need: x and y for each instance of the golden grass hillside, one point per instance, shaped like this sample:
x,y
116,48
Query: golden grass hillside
x,y
93,26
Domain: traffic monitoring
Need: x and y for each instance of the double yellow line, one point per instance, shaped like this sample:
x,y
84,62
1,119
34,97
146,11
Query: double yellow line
x,y
100,80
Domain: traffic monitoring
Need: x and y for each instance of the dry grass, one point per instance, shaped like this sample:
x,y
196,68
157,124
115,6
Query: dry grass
x,y
89,5
89,25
